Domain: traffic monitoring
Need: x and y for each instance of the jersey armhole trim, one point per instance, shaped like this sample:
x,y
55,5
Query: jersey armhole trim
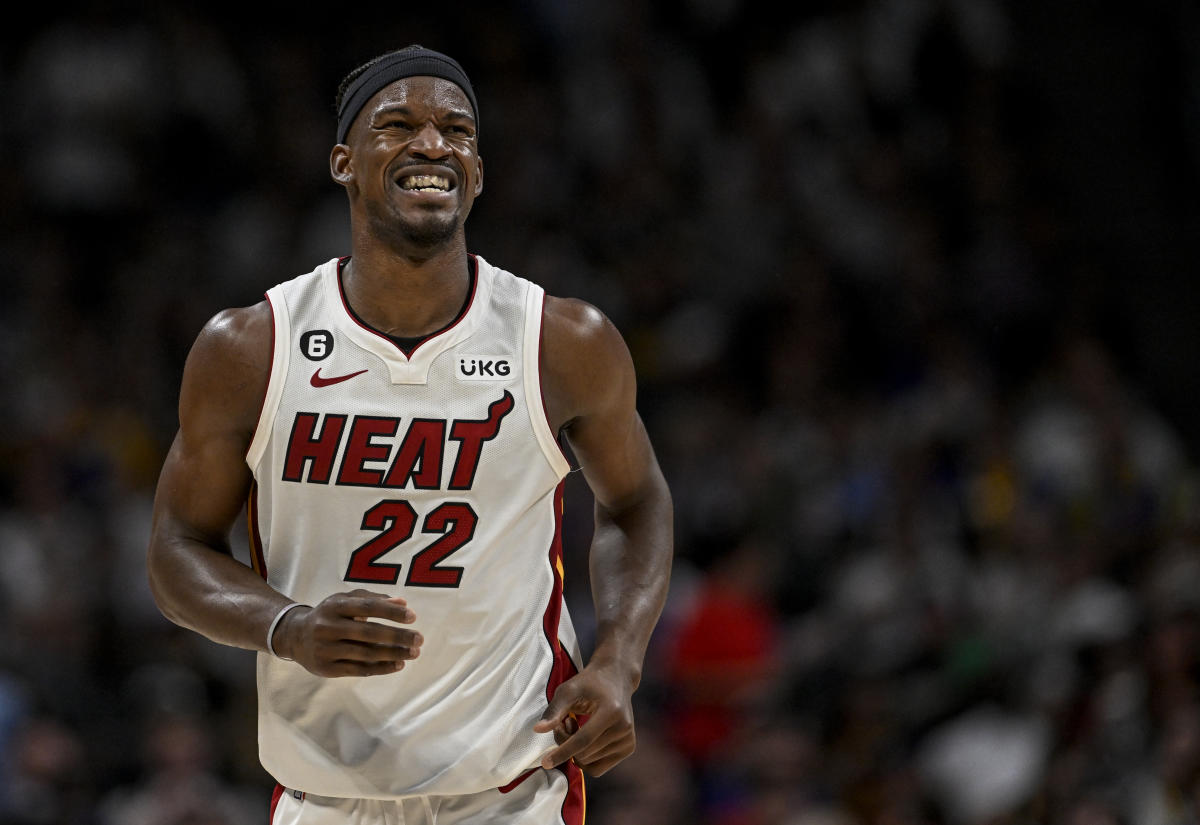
x,y
531,350
281,335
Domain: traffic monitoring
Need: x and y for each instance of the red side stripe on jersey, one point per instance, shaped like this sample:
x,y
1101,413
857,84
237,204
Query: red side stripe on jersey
x,y
257,559
561,668
276,795
509,787
574,807
554,608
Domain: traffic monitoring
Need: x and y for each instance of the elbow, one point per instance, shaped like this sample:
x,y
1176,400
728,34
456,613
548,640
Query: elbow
x,y
656,497
156,588
667,503
159,578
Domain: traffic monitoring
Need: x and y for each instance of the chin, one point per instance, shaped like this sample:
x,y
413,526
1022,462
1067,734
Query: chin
x,y
429,235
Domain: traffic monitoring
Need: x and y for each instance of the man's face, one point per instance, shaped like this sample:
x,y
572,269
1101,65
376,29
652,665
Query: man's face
x,y
412,167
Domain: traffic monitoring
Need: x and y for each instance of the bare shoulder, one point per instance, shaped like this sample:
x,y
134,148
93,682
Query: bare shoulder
x,y
228,367
585,362
571,323
242,334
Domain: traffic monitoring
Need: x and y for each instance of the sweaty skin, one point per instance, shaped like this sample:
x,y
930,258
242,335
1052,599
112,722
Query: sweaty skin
x,y
408,276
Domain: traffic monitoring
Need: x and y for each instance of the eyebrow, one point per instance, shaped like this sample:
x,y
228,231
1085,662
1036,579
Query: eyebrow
x,y
401,109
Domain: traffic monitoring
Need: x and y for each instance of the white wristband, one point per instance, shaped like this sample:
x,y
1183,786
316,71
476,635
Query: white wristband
x,y
274,624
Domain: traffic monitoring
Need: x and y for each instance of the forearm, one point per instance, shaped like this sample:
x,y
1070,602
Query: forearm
x,y
209,591
630,565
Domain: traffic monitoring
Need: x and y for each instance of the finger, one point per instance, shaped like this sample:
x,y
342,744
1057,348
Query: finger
x,y
604,764
396,600
610,746
381,634
365,605
352,651
606,754
578,742
547,725
362,591
334,630
347,667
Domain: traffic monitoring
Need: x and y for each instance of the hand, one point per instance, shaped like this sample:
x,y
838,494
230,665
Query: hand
x,y
338,638
606,736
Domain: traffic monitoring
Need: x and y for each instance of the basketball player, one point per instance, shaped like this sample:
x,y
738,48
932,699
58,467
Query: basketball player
x,y
391,421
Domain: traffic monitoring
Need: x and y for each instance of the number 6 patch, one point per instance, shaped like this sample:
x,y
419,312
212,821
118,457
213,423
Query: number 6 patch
x,y
316,344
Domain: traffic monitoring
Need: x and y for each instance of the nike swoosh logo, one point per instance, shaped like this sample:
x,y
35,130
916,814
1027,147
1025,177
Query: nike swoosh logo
x,y
318,381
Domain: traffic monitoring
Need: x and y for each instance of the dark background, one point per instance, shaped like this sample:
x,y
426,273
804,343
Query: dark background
x,y
910,288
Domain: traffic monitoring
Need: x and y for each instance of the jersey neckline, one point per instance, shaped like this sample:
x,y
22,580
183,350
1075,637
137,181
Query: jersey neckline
x,y
408,367
408,346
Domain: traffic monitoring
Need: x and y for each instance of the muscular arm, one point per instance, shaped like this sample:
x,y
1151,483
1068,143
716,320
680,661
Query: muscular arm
x,y
204,482
196,581
590,390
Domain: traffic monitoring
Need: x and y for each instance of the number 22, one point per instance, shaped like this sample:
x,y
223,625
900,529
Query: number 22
x,y
454,523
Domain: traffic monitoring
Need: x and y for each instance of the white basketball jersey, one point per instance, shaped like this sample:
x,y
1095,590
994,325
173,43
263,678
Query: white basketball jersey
x,y
433,477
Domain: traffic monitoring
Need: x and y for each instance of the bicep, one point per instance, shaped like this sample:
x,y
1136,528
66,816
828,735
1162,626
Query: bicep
x,y
201,490
205,480
596,379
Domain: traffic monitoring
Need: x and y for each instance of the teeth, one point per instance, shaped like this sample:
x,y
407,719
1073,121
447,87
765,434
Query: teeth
x,y
426,183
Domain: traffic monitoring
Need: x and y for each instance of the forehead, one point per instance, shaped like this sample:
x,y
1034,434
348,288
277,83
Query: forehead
x,y
420,92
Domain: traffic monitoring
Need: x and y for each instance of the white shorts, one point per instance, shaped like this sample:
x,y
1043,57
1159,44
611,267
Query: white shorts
x,y
554,797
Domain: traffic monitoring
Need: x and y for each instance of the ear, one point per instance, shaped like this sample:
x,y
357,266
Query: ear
x,y
478,175
340,168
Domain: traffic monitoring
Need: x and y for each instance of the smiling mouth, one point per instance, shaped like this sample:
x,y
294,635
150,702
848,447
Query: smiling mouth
x,y
426,183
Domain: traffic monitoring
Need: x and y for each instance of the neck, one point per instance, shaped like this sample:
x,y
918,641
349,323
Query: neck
x,y
404,296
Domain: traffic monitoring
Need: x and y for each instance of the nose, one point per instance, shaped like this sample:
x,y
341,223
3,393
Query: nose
x,y
429,142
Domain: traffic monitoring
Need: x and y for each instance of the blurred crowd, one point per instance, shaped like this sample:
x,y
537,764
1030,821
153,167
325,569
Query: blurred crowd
x,y
896,275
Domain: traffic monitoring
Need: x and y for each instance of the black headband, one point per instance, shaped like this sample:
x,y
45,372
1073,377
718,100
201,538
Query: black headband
x,y
392,67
